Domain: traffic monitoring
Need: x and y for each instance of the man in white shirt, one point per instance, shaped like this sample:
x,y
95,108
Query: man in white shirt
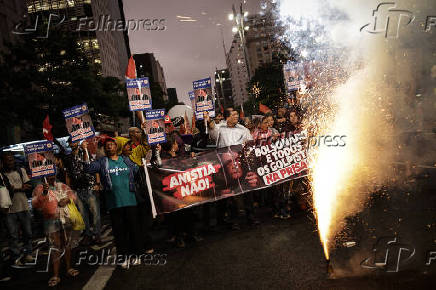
x,y
231,132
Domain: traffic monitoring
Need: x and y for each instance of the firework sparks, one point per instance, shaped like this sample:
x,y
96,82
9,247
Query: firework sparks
x,y
341,102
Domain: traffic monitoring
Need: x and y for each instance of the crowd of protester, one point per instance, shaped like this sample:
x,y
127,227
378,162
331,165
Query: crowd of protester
x,y
105,178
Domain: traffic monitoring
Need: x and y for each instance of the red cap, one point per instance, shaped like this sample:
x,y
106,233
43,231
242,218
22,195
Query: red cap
x,y
167,120
108,139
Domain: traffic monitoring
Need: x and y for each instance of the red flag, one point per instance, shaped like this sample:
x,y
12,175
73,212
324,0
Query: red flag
x,y
242,114
222,109
46,129
131,69
264,109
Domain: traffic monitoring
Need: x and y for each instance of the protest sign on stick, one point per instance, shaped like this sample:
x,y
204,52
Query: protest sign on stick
x,y
41,159
138,91
155,126
203,98
198,115
293,78
79,123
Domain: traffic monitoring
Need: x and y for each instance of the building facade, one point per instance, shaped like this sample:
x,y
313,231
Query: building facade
x,y
93,21
238,72
172,95
148,66
262,47
114,49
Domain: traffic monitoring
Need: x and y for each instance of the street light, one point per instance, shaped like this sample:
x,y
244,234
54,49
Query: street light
x,y
241,28
220,79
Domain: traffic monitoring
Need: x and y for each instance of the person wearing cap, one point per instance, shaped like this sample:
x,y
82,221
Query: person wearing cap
x,y
118,179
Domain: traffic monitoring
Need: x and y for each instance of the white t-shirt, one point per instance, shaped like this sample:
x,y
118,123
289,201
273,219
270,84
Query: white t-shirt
x,y
228,136
19,200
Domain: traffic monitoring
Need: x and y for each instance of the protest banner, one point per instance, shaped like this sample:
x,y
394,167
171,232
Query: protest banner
x,y
293,77
79,123
138,92
41,159
203,98
183,182
155,126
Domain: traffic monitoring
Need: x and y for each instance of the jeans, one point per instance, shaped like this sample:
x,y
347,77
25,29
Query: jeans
x,y
13,222
89,205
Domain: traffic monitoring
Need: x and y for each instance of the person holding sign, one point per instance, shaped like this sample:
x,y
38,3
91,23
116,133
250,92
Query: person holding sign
x,y
19,212
118,180
230,133
87,188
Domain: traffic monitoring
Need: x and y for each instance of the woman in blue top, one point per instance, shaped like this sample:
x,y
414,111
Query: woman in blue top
x,y
117,176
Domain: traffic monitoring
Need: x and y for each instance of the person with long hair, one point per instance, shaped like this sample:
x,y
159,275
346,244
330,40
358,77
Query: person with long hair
x,y
265,133
52,198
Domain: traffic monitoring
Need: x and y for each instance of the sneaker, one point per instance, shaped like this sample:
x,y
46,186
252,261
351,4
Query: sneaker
x,y
18,264
149,251
5,278
276,216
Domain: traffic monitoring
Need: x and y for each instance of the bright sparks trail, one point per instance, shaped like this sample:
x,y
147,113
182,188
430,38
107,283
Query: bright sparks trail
x,y
332,167
337,108
364,87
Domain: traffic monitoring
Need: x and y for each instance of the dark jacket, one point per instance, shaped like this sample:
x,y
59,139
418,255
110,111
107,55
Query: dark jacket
x,y
102,166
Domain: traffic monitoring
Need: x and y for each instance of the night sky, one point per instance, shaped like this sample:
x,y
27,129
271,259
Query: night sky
x,y
188,50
